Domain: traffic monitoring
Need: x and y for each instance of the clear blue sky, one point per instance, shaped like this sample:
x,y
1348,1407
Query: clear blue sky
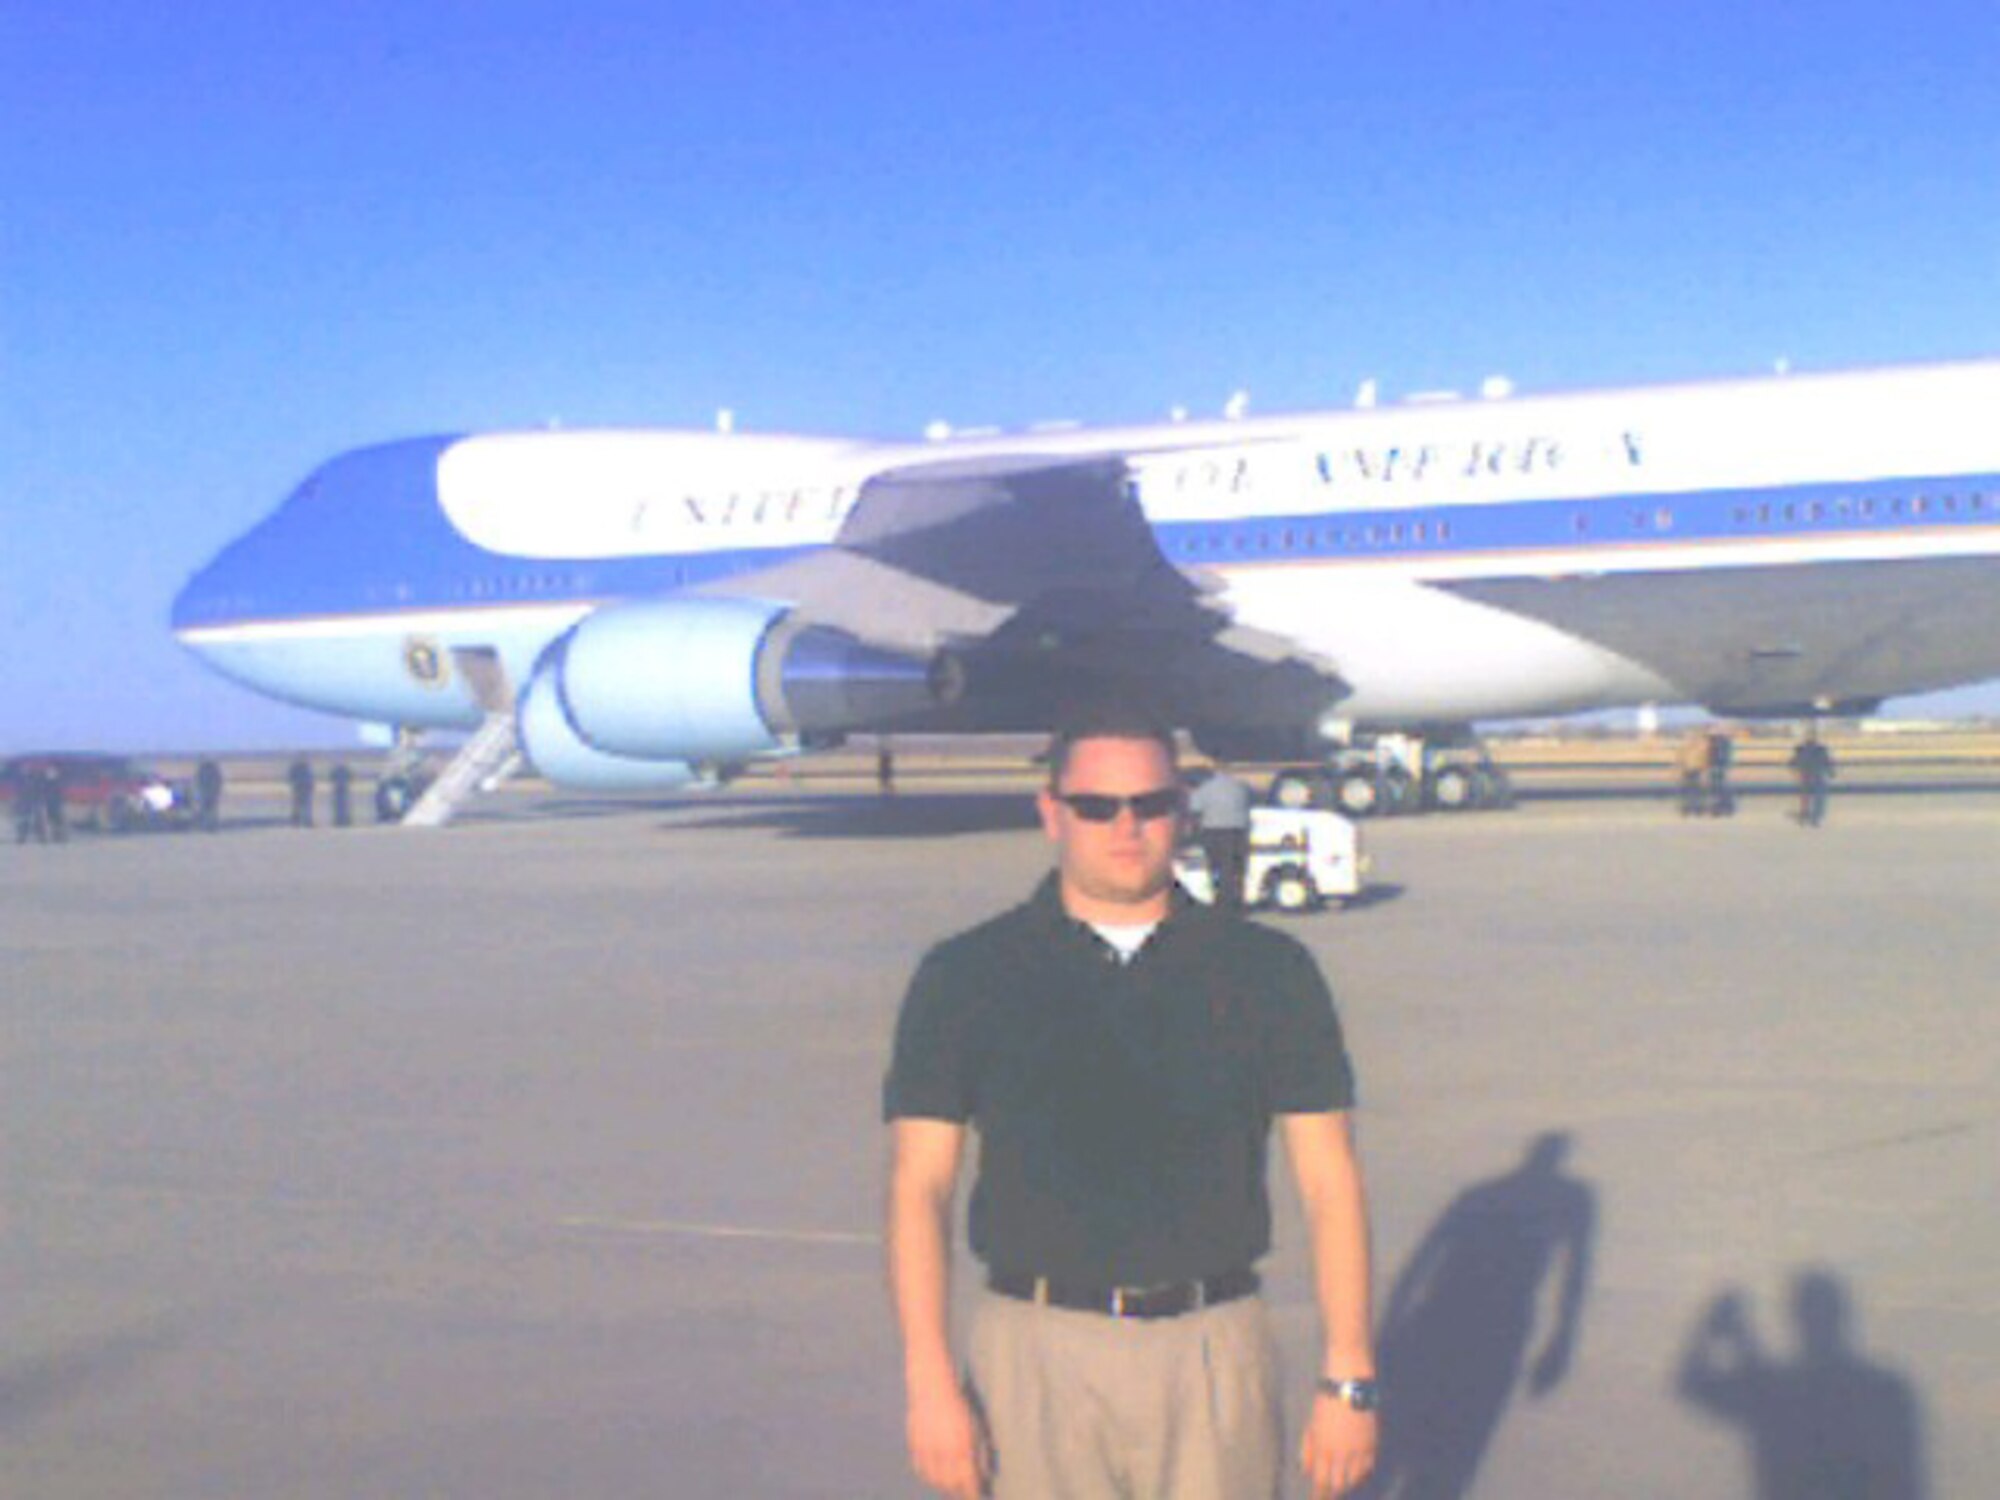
x,y
238,238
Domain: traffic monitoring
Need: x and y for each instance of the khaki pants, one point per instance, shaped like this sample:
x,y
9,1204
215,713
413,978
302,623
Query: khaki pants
x,y
1080,1406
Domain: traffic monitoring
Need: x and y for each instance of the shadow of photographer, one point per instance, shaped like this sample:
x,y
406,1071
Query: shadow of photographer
x,y
1825,1425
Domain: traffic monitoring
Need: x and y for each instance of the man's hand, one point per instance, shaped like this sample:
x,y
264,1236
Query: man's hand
x,y
948,1447
1338,1450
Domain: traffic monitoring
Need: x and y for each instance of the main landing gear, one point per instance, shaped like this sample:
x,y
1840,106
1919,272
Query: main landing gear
x,y
1397,773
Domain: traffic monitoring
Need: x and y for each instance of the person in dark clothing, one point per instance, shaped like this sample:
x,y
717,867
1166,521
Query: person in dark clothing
x,y
1123,1055
1812,764
31,820
342,781
1721,753
208,795
55,820
300,776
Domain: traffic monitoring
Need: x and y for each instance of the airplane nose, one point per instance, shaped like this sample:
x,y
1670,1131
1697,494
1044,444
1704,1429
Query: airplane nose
x,y
202,600
348,535
357,535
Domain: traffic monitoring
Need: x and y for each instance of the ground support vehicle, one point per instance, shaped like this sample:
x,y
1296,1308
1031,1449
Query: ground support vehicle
x,y
107,792
1394,773
1300,859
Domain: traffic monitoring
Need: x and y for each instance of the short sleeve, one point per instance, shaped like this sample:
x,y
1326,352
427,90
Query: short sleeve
x,y
930,1068
1305,1063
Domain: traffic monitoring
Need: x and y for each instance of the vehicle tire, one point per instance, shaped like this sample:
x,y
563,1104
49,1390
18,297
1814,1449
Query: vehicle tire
x,y
1299,790
394,796
1360,794
1290,889
1453,789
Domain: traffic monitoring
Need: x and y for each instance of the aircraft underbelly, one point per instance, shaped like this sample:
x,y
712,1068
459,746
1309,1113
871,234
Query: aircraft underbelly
x,y
1411,651
1777,638
381,669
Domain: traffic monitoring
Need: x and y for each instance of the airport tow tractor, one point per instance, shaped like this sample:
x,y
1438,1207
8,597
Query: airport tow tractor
x,y
1301,858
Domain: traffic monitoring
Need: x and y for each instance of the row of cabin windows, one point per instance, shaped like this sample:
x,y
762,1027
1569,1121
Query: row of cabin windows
x,y
497,586
1867,508
1659,519
562,585
1306,538
1582,523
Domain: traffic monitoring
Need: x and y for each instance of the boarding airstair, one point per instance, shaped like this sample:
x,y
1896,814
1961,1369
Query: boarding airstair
x,y
484,761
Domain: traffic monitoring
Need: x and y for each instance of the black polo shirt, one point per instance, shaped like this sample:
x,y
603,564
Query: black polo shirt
x,y
1123,1109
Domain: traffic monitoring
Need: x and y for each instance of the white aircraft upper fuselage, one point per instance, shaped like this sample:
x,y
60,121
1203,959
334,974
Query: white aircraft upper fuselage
x,y
667,600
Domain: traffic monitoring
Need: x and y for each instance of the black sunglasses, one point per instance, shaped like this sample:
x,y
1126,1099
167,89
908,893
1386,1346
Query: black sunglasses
x,y
1102,807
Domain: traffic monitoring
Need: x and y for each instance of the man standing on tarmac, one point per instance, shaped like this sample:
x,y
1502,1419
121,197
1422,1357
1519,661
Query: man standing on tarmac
x,y
1122,1053
1221,809
208,794
1812,764
299,775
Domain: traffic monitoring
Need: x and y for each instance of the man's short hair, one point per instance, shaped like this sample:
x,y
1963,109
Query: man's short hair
x,y
1105,722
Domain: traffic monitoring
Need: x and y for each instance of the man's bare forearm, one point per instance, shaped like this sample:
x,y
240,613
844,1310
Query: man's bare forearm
x,y
1336,1214
919,1244
946,1448
923,1178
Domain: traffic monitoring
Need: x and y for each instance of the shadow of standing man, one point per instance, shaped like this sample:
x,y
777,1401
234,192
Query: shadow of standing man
x,y
1456,1335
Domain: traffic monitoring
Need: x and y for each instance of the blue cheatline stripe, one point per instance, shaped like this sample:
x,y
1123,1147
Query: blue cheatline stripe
x,y
1791,514
365,535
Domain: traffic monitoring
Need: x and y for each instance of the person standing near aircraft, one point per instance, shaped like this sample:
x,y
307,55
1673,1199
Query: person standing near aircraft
x,y
1721,755
31,819
1122,1053
1812,764
208,795
55,817
1691,761
1220,806
342,781
300,778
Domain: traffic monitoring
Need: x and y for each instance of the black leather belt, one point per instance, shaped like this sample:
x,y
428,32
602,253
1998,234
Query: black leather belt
x,y
1168,1300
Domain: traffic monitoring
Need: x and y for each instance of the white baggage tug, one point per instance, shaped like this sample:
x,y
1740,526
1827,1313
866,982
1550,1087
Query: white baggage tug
x,y
1300,859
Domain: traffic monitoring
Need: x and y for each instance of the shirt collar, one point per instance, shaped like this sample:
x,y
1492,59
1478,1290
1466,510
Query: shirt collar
x,y
1183,911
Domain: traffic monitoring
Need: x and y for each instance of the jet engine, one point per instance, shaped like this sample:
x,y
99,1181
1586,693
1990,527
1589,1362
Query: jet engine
x,y
633,689
561,756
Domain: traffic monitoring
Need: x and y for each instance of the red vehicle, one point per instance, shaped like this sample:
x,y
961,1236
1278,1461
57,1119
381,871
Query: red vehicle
x,y
103,791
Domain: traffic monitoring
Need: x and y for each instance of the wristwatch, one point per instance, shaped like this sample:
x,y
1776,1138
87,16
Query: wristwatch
x,y
1362,1395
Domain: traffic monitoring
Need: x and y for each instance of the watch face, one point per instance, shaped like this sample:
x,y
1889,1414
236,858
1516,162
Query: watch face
x,y
1362,1395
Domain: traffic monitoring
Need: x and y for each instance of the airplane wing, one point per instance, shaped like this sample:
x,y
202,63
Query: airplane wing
x,y
1042,581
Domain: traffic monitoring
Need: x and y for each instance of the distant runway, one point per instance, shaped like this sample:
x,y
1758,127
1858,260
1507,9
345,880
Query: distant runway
x,y
539,1157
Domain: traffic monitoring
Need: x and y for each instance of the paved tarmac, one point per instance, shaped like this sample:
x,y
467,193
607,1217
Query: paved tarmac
x,y
539,1157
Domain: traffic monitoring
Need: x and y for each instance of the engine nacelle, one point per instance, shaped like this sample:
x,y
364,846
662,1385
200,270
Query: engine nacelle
x,y
564,759
709,682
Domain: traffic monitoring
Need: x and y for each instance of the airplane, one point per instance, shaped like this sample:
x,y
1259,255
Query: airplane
x,y
652,609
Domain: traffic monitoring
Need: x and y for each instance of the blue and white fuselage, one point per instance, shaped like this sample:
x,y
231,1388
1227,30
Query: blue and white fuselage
x,y
1768,546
